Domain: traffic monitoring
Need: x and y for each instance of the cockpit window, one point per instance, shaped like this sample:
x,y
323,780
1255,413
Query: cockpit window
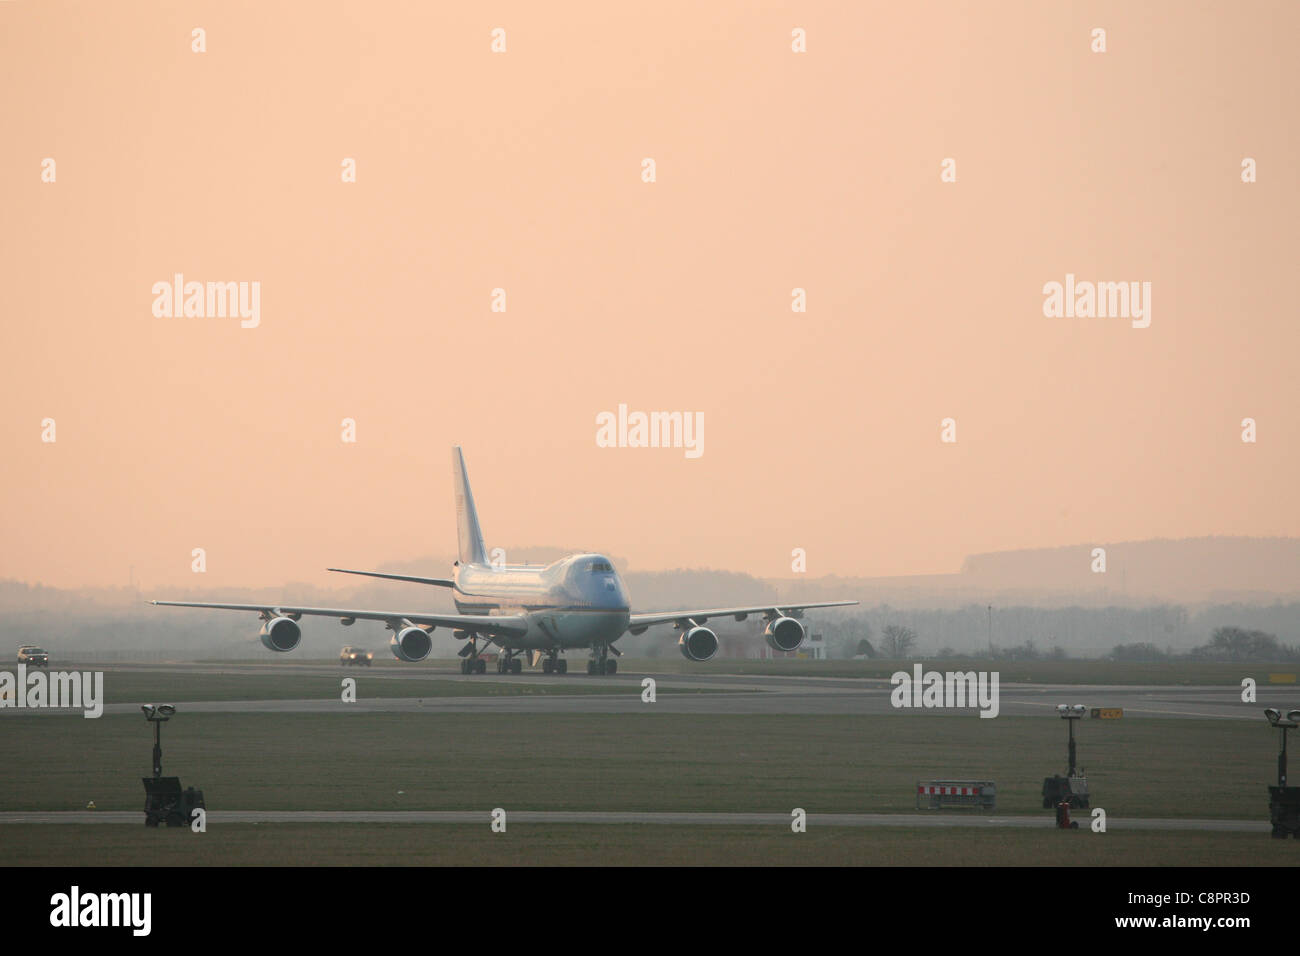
x,y
598,567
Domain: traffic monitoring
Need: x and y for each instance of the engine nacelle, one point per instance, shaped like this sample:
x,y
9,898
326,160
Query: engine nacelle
x,y
411,644
281,634
698,644
784,634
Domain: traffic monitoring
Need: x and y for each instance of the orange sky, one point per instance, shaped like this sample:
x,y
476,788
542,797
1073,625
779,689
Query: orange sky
x,y
523,170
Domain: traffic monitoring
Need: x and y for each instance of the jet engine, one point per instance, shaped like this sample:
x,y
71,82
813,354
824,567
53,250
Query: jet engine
x,y
411,644
784,634
698,644
281,634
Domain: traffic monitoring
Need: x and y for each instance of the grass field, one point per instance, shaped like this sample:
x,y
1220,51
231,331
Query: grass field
x,y
132,686
652,762
426,761
1041,672
643,845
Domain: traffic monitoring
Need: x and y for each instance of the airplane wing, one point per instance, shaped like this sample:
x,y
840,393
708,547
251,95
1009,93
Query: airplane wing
x,y
639,622
502,625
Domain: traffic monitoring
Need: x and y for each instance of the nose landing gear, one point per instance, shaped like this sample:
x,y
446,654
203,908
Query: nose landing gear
x,y
601,662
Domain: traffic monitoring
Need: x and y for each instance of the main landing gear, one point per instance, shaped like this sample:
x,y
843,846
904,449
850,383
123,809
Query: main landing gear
x,y
601,662
555,664
473,661
509,664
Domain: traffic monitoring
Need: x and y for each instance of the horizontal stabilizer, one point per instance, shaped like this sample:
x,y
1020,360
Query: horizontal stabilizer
x,y
438,582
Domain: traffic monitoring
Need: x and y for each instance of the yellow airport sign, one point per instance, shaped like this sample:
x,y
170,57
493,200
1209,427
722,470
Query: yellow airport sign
x,y
1107,713
1281,678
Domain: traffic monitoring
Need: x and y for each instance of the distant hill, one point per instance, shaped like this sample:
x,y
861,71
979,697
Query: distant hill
x,y
1189,571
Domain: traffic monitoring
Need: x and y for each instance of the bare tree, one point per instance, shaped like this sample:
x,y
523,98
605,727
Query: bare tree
x,y
1239,644
897,641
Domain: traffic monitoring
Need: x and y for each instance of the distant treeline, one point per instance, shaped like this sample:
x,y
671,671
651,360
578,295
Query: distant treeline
x,y
1225,644
1031,633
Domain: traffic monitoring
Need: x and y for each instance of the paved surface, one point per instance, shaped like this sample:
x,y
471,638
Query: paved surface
x,y
750,694
952,819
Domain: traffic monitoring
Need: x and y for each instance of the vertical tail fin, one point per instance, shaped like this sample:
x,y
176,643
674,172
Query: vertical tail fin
x,y
468,534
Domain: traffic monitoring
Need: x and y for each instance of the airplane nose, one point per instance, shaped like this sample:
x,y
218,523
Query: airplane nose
x,y
611,595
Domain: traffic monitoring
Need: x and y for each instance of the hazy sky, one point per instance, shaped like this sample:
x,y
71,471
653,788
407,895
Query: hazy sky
x,y
523,171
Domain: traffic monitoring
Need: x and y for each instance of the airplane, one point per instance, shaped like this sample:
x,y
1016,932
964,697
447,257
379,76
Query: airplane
x,y
577,602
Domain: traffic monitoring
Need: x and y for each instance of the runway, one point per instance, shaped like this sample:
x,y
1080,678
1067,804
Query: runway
x,y
954,820
533,693
1016,702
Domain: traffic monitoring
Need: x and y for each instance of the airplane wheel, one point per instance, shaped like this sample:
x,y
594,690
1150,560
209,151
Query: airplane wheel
x,y
611,667
562,666
548,666
591,667
464,666
480,667
516,667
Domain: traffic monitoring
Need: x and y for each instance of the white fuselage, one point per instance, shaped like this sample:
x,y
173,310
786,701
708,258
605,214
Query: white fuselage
x,y
579,601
